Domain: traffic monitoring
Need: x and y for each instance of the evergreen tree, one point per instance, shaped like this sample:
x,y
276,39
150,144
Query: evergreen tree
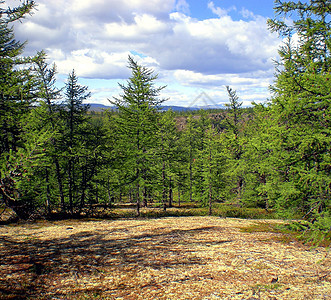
x,y
200,166
74,116
48,116
18,89
211,158
16,84
182,171
91,159
136,127
234,141
190,148
260,189
300,110
233,115
168,156
110,172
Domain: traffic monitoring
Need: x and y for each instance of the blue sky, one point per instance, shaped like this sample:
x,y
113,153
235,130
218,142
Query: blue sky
x,y
200,10
195,46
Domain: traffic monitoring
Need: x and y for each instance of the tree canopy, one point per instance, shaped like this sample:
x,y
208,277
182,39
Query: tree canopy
x,y
59,158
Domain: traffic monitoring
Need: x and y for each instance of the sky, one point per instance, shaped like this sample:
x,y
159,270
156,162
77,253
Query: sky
x,y
197,47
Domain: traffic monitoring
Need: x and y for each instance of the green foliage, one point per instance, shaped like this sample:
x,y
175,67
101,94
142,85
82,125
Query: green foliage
x,y
232,211
167,159
267,160
317,233
186,209
17,172
234,113
18,145
81,143
233,144
136,125
301,111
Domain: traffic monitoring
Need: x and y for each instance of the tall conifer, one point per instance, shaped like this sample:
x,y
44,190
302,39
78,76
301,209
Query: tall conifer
x,y
300,109
137,126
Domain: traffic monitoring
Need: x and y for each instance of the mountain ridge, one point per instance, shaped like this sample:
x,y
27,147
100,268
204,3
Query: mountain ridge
x,y
100,107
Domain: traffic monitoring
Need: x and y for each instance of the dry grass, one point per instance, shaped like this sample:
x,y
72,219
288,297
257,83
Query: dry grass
x,y
167,258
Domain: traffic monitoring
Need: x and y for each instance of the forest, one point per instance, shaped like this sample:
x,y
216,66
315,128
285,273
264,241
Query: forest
x,y
60,160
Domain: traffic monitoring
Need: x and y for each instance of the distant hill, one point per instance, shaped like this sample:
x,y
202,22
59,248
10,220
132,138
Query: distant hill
x,y
100,107
178,108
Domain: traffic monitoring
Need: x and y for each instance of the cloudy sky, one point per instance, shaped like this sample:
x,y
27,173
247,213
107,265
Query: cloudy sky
x,y
196,46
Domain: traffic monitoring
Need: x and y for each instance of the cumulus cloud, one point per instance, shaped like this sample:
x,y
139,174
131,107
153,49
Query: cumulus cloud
x,y
96,37
90,63
252,86
216,45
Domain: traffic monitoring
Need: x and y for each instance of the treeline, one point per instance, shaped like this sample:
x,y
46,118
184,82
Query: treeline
x,y
58,159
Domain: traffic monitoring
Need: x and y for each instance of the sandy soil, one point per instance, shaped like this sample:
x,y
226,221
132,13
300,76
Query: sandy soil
x,y
169,258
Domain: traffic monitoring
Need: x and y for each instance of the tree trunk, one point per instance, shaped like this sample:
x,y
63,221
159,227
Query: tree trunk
x,y
210,199
170,193
179,191
110,195
191,181
7,191
138,200
59,181
70,187
145,197
83,189
48,192
209,179
130,196
96,193
164,193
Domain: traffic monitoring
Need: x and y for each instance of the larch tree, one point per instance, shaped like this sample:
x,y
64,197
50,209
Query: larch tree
x,y
19,147
48,117
211,158
137,123
16,82
300,109
233,122
168,156
74,116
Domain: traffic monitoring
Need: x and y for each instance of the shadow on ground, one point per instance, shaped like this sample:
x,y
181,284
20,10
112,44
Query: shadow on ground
x,y
26,265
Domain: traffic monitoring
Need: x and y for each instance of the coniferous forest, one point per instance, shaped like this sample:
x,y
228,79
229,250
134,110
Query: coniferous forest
x,y
58,159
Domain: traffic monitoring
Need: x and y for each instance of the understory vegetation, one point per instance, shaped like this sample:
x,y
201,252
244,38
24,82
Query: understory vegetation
x,y
59,160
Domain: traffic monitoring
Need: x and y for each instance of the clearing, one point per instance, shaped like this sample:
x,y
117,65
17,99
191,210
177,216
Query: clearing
x,y
166,258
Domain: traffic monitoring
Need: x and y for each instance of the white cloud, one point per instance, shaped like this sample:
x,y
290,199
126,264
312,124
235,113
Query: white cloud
x,y
114,10
89,63
96,37
216,45
250,86
247,14
144,26
183,6
220,12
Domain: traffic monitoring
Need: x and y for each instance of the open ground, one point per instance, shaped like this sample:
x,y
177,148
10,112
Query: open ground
x,y
164,258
